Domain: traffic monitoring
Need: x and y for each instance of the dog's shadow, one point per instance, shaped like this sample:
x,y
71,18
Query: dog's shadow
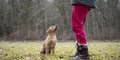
x,y
46,57
43,57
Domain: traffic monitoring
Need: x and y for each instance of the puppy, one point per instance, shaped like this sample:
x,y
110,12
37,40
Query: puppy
x,y
50,41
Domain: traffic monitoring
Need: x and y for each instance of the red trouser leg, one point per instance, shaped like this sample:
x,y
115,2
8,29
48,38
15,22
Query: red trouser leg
x,y
79,14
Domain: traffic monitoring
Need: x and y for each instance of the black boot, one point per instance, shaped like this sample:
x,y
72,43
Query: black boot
x,y
81,54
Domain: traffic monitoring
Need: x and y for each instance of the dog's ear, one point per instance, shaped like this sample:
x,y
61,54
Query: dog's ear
x,y
56,28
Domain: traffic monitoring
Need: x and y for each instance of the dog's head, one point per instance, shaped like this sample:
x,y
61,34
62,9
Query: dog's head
x,y
52,29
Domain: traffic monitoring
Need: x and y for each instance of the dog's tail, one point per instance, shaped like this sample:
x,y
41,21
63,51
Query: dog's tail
x,y
43,51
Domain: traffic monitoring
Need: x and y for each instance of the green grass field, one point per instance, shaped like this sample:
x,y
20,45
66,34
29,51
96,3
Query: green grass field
x,y
29,50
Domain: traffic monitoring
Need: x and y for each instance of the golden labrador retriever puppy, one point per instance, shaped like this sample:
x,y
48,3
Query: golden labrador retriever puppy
x,y
50,41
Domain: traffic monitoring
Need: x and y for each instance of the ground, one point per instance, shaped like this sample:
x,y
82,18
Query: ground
x,y
29,50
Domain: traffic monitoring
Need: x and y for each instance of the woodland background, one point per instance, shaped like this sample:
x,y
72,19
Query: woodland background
x,y
29,19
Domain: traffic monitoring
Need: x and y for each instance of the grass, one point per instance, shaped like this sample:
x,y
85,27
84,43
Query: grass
x,y
28,50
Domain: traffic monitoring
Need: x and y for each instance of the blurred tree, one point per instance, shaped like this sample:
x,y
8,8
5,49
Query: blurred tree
x,y
29,19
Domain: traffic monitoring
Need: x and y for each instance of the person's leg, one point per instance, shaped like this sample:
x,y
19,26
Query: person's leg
x,y
79,14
